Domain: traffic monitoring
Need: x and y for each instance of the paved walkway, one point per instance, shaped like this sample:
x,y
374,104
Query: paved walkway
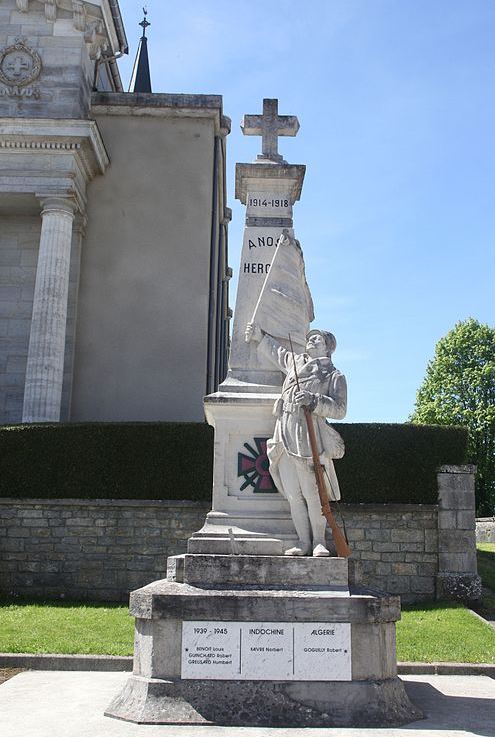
x,y
71,704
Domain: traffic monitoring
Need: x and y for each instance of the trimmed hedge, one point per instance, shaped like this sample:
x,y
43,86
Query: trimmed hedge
x,y
107,460
173,460
396,463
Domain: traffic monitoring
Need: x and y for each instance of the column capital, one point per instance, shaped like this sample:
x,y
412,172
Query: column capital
x,y
57,204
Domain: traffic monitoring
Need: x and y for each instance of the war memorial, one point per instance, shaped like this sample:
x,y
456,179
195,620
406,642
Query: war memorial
x,y
258,623
265,586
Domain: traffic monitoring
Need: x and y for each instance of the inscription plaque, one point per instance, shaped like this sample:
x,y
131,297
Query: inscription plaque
x,y
267,651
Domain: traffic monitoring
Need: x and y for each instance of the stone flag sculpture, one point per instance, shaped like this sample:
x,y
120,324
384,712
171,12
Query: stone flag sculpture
x,y
284,305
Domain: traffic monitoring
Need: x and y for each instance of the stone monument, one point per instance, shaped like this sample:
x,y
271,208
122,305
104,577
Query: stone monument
x,y
246,504
257,624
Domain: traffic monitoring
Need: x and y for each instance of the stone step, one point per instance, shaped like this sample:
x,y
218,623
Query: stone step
x,y
276,571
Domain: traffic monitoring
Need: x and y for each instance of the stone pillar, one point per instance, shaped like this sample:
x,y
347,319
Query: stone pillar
x,y
45,363
457,571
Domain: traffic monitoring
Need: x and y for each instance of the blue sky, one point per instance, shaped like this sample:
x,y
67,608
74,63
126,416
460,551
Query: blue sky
x,y
396,101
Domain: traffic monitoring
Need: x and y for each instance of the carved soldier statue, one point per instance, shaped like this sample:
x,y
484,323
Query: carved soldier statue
x,y
322,388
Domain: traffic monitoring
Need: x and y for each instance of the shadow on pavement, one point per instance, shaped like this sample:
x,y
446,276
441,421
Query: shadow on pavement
x,y
451,713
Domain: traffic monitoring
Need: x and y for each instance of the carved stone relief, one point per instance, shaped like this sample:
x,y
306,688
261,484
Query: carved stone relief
x,y
51,10
20,66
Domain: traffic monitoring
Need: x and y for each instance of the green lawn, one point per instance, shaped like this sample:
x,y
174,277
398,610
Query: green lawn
x,y
426,633
486,564
441,631
64,627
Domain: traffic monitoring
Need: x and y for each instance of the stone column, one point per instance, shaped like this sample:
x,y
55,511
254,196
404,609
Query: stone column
x,y
45,363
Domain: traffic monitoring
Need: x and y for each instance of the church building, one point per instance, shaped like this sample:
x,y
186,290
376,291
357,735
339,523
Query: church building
x,y
113,226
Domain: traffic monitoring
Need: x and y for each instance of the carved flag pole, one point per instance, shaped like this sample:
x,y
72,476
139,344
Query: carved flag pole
x,y
282,237
343,549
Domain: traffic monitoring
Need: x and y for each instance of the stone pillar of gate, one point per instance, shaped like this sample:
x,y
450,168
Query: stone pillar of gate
x,y
45,363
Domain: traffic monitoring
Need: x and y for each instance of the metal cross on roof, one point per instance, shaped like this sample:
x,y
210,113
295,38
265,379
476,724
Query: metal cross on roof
x,y
270,126
145,23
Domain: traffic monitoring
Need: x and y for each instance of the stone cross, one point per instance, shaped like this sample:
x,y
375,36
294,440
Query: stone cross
x,y
145,22
17,65
270,126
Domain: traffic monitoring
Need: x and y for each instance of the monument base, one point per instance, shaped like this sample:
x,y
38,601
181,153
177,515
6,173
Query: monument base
x,y
264,704
247,640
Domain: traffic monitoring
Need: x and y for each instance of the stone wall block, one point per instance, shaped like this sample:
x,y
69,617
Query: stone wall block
x,y
411,547
414,536
431,541
455,541
387,547
18,532
392,557
354,534
371,556
459,499
383,569
381,535
421,558
423,585
447,519
13,545
398,584
457,562
405,569
361,546
465,520
427,569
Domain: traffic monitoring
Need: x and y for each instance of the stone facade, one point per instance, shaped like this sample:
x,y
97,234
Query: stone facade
x,y
102,549
153,291
19,239
67,43
126,267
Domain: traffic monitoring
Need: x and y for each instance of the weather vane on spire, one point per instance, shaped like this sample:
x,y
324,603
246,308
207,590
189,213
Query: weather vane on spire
x,y
145,23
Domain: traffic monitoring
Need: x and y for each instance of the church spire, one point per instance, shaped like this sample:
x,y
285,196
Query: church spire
x,y
141,78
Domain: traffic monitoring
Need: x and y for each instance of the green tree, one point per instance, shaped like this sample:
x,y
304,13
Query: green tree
x,y
459,389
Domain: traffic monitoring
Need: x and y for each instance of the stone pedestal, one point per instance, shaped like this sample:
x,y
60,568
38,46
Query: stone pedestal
x,y
248,514
263,641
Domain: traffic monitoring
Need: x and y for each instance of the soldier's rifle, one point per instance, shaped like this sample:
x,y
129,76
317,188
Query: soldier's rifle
x,y
343,549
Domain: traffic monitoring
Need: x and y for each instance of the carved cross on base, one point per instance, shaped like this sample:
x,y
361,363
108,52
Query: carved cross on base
x,y
270,126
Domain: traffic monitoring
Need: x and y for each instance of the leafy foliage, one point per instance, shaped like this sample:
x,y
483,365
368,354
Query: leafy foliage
x,y
459,389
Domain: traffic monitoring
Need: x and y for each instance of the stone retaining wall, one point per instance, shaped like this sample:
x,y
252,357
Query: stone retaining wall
x,y
102,549
91,549
485,530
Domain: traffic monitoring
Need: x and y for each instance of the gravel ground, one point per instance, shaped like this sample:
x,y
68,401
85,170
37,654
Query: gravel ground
x,y
6,673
